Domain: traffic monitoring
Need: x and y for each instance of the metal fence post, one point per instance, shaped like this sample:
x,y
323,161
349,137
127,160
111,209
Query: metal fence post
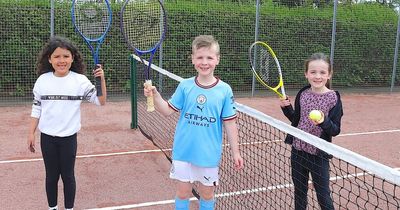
x,y
396,49
253,82
51,18
333,37
133,70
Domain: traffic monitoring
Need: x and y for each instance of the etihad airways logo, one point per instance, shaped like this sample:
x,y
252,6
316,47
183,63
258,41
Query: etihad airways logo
x,y
199,118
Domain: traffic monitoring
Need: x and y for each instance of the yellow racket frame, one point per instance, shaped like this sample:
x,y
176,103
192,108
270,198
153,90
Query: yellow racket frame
x,y
280,85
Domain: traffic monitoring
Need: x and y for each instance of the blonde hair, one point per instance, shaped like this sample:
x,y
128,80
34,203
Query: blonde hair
x,y
205,41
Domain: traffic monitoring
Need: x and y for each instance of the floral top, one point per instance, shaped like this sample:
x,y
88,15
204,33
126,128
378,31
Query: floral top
x,y
313,101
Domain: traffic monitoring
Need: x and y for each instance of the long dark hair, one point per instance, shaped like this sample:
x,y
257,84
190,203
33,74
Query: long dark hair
x,y
43,65
320,56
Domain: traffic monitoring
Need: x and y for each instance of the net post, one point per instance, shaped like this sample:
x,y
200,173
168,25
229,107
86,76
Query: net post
x,y
133,82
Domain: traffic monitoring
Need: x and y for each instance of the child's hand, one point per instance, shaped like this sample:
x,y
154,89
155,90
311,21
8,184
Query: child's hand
x,y
149,90
98,72
284,101
238,161
321,120
31,143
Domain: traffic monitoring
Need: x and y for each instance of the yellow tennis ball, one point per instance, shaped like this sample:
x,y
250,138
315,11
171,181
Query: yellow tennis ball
x,y
315,115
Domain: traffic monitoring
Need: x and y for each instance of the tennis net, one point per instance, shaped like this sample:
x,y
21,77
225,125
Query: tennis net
x,y
356,182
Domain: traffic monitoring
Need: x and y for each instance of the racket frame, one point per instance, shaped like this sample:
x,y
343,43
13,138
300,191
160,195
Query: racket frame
x,y
99,41
140,53
280,85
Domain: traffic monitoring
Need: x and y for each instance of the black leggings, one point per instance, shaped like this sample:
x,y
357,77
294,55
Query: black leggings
x,y
59,154
304,164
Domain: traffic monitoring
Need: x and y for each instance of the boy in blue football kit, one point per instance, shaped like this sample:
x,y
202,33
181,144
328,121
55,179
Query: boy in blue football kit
x,y
205,104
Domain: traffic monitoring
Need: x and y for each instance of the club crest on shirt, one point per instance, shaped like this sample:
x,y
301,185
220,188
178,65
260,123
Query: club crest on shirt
x,y
201,99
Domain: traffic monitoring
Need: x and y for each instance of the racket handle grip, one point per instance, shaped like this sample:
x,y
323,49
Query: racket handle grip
x,y
98,86
150,99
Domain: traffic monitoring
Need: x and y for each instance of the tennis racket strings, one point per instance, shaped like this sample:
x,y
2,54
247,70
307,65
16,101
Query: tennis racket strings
x,y
91,18
144,24
264,65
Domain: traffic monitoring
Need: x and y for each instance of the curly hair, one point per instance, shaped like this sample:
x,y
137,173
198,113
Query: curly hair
x,y
43,65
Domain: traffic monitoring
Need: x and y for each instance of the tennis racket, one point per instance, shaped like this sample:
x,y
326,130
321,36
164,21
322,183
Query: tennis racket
x,y
92,20
266,68
143,25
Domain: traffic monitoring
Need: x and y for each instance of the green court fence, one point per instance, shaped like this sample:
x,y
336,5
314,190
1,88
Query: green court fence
x,y
361,40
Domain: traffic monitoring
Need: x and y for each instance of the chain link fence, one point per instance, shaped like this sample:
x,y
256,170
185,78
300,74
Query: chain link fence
x,y
360,38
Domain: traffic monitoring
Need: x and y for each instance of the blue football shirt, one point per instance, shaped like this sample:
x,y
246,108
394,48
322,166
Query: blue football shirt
x,y
198,134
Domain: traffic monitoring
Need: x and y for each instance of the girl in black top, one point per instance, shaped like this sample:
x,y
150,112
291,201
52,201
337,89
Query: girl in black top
x,y
305,158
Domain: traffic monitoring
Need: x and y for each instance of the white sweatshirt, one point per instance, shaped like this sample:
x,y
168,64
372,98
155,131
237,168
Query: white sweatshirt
x,y
57,102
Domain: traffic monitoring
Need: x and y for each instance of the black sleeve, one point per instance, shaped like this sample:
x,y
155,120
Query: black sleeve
x,y
332,122
288,111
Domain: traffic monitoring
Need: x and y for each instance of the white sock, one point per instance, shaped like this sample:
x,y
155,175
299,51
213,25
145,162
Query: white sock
x,y
53,208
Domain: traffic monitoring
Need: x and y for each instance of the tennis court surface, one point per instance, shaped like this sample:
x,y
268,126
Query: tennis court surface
x,y
119,168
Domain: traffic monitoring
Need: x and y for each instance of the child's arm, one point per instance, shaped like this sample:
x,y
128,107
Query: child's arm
x,y
331,125
99,72
233,137
31,135
287,108
159,103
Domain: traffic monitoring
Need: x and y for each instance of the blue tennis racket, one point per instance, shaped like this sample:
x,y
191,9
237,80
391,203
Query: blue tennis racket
x,y
143,25
92,20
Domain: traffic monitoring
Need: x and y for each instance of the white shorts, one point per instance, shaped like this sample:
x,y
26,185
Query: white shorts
x,y
187,172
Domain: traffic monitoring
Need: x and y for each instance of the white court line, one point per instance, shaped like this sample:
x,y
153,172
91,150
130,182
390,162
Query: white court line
x,y
138,205
235,193
164,202
341,135
368,133
157,150
88,156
